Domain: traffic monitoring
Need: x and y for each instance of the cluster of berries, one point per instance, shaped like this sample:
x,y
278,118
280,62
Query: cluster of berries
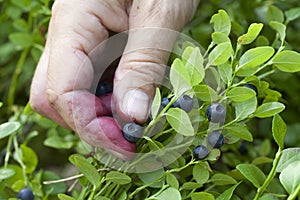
x,y
215,113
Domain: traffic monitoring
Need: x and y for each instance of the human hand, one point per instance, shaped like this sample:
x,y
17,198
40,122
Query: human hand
x,y
63,95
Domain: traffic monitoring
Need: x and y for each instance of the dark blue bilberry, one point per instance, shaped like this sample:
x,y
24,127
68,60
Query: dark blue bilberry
x,y
200,152
103,88
185,103
132,132
215,139
25,194
248,85
216,113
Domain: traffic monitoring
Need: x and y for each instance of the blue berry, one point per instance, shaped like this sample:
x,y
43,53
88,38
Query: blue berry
x,y
132,132
103,88
215,139
165,101
185,103
216,113
243,148
25,194
200,152
248,85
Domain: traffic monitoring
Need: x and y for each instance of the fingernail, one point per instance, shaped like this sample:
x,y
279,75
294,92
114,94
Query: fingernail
x,y
135,105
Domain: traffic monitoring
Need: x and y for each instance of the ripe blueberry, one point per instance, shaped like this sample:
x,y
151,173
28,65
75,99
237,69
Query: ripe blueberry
x,y
200,152
25,194
243,148
215,139
103,88
165,101
216,113
132,132
248,85
185,103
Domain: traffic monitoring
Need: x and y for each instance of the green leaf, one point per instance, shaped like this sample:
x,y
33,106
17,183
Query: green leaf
x,y
153,176
227,194
191,186
205,93
279,28
172,180
290,177
57,142
287,61
214,155
261,160
239,94
195,67
118,177
225,71
86,168
275,14
202,196
64,197
22,3
219,37
9,128
55,188
252,173
180,121
156,103
221,22
222,179
179,78
245,108
288,156
252,33
21,25
292,14
200,174
240,131
255,57
278,130
6,173
220,54
269,109
169,193
187,54
29,158
22,39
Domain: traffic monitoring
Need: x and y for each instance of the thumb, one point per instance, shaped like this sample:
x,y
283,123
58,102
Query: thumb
x,y
154,27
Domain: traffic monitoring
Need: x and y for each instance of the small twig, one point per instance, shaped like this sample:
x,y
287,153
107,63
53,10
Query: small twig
x,y
71,177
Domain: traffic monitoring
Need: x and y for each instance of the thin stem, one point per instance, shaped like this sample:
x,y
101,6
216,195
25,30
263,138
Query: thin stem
x,y
8,152
295,194
15,77
270,177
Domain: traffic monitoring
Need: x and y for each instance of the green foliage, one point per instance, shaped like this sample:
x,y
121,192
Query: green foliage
x,y
260,48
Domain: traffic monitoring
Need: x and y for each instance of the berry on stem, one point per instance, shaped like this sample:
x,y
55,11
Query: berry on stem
x,y
248,85
132,132
200,152
216,113
25,194
185,103
103,88
215,139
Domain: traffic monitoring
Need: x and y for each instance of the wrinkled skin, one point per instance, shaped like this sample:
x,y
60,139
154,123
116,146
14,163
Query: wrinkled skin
x,y
75,29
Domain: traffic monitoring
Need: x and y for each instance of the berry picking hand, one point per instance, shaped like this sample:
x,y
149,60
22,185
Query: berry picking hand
x,y
75,29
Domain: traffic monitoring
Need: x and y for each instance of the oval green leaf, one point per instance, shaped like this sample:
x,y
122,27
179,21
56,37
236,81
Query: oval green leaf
x,y
288,156
240,131
287,61
200,174
6,173
245,109
269,109
239,94
279,130
180,121
228,193
202,196
8,128
220,54
118,178
255,57
252,173
222,179
290,177
221,22
252,33
156,103
169,193
86,168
